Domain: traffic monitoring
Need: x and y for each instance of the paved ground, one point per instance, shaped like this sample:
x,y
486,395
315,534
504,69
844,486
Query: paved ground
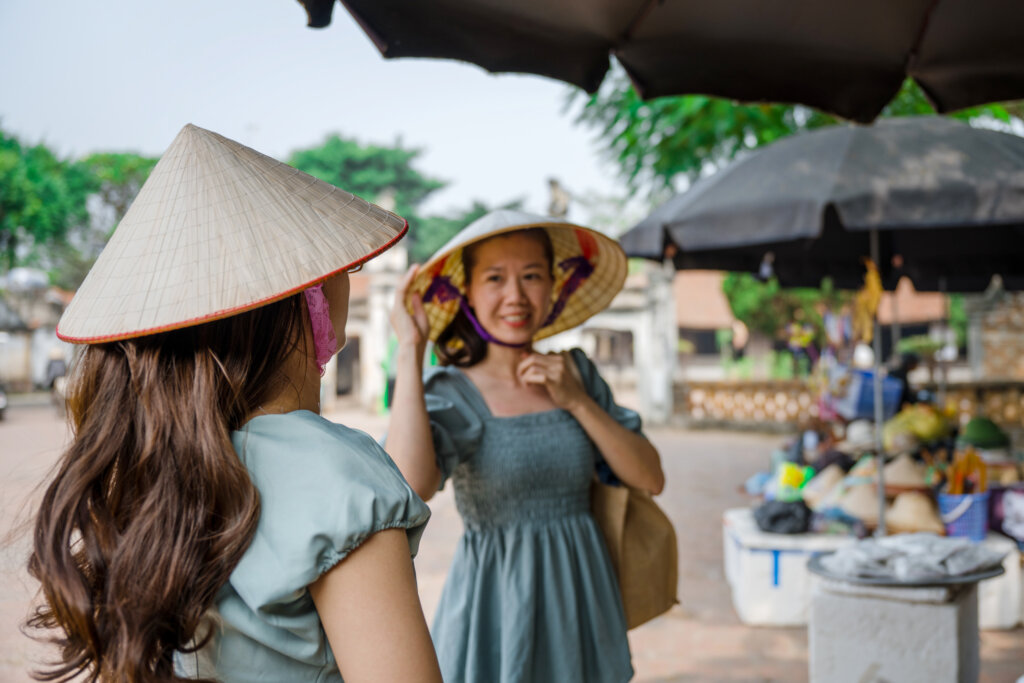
x,y
701,640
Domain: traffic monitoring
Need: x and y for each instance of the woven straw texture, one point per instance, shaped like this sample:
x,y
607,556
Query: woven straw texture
x,y
217,229
567,240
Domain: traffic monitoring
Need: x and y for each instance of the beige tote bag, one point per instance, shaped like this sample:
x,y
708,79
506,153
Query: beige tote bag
x,y
642,545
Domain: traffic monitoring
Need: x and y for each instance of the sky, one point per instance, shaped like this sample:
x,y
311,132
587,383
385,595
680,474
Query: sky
x,y
115,75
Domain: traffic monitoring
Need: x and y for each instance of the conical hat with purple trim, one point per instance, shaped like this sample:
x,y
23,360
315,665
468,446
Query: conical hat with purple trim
x,y
589,270
218,229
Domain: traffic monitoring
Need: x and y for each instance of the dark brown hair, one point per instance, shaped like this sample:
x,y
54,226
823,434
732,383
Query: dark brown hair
x,y
151,509
459,344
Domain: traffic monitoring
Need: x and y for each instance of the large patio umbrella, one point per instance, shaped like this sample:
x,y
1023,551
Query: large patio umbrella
x,y
844,56
945,197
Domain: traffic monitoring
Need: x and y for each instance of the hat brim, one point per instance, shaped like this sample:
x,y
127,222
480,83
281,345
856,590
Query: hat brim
x,y
593,295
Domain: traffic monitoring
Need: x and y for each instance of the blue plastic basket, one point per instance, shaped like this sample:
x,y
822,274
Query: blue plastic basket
x,y
859,401
966,515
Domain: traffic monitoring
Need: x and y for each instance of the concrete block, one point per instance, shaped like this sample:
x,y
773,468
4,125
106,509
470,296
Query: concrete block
x,y
1000,603
768,572
893,635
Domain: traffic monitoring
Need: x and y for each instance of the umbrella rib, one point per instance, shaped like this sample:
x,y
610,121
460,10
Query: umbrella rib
x,y
915,48
640,16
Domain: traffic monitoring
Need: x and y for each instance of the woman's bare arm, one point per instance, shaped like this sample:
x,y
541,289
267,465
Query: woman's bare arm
x,y
371,613
410,443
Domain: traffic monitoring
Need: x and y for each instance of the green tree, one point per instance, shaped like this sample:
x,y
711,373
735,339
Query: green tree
x,y
117,178
766,307
41,197
373,172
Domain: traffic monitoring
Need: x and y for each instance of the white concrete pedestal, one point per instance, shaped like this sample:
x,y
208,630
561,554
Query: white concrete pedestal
x,y
869,634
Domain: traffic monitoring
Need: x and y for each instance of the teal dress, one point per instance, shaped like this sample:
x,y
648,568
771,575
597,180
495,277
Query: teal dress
x,y
324,489
531,595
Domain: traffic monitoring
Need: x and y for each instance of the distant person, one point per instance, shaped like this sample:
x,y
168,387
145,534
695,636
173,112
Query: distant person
x,y
740,339
531,594
205,521
56,367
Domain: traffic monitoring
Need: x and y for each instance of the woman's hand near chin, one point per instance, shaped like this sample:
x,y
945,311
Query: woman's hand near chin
x,y
558,374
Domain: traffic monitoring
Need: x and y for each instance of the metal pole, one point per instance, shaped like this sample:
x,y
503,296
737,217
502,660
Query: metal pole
x,y
879,415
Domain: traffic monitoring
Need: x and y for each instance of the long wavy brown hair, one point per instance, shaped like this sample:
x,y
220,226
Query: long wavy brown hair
x,y
151,509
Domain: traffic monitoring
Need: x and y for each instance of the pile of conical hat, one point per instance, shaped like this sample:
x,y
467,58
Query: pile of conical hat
x,y
218,229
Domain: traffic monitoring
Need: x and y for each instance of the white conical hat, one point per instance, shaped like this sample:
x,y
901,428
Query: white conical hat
x,y
568,241
861,501
818,488
903,472
218,229
913,512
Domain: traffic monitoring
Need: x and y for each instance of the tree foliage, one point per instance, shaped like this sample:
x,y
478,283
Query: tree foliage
x,y
41,197
370,171
118,177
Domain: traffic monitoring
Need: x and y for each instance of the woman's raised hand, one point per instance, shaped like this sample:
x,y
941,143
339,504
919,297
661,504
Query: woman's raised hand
x,y
556,372
411,329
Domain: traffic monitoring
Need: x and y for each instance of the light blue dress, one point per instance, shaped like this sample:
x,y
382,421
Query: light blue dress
x,y
324,489
531,595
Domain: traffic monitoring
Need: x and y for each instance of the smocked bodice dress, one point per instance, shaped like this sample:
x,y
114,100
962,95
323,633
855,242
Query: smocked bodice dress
x,y
531,595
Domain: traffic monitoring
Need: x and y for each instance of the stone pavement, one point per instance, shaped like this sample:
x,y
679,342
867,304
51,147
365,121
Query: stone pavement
x,y
699,640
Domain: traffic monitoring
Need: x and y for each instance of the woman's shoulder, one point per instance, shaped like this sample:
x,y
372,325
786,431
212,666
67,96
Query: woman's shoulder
x,y
304,445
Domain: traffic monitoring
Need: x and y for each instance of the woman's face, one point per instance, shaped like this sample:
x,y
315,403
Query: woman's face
x,y
510,286
336,292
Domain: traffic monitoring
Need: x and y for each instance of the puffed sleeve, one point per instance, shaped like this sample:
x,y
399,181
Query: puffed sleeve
x,y
324,489
599,390
455,423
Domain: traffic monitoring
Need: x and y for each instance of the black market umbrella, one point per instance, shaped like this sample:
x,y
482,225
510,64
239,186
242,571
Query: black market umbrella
x,y
844,56
943,198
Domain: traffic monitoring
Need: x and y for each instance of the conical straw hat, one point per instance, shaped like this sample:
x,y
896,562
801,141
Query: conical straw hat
x,y
861,501
815,491
218,229
569,241
913,511
903,472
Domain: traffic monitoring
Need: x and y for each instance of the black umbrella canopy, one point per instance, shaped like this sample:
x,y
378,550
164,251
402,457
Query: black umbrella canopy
x,y
946,199
848,57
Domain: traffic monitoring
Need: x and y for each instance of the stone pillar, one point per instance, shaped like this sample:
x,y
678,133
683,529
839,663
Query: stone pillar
x,y
654,346
385,272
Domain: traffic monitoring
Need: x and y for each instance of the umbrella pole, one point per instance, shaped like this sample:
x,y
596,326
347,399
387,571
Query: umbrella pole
x,y
879,414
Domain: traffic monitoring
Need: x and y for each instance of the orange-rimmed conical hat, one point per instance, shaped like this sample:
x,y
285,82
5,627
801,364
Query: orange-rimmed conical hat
x,y
218,229
570,243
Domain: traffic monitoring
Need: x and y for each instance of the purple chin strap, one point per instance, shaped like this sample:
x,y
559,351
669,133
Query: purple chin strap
x,y
324,340
442,290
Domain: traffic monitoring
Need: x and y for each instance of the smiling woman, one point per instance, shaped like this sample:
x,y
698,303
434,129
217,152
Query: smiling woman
x,y
531,594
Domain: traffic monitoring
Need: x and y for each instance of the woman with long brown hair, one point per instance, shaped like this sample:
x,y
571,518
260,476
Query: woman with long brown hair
x,y
206,522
